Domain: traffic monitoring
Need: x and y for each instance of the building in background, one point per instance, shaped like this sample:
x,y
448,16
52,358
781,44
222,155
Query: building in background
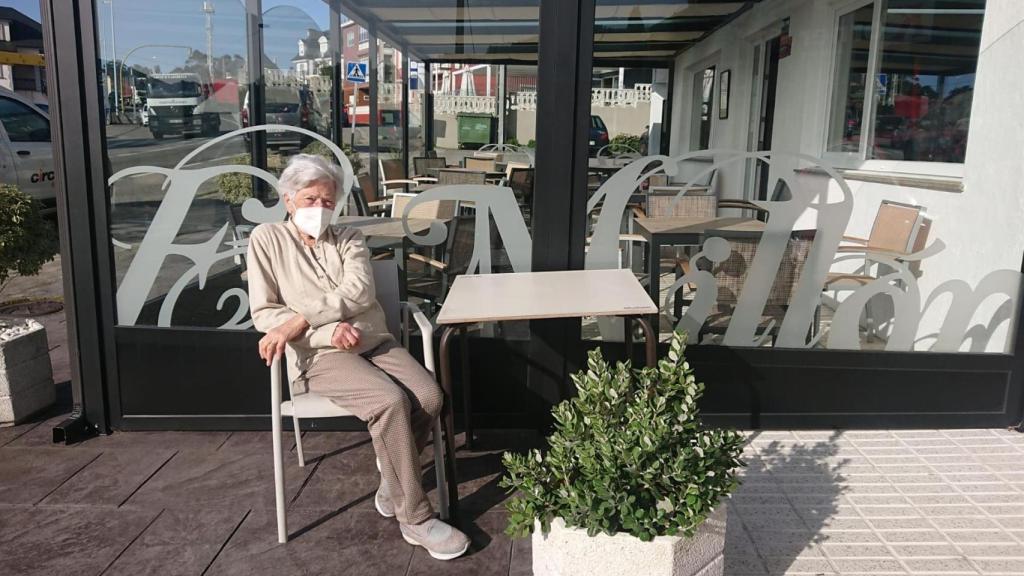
x,y
21,51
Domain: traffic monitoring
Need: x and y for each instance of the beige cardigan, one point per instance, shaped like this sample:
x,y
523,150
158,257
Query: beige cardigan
x,y
328,283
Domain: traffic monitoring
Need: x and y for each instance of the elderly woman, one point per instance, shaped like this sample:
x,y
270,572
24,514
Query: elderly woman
x,y
311,291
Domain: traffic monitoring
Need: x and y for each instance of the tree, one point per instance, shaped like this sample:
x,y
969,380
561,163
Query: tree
x,y
27,240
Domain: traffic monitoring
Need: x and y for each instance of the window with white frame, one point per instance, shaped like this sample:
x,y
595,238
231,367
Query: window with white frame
x,y
364,35
350,39
704,104
5,31
904,79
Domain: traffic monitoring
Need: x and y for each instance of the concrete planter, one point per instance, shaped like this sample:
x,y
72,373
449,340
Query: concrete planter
x,y
570,552
26,377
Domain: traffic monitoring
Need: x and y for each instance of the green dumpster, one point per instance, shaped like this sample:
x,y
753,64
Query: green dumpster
x,y
475,130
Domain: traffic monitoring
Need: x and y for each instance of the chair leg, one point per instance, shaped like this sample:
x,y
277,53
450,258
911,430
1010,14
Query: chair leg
x,y
279,486
298,440
442,481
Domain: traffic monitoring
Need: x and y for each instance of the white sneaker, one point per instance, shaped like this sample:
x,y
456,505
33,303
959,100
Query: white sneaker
x,y
441,540
382,501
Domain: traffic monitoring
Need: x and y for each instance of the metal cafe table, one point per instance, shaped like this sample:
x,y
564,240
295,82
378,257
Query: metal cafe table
x,y
686,231
476,298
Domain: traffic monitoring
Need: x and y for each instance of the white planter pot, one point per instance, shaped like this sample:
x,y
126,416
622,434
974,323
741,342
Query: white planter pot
x,y
26,376
570,552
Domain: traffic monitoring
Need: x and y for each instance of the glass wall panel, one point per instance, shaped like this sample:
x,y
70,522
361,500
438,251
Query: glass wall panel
x,y
391,76
417,109
762,242
174,78
297,79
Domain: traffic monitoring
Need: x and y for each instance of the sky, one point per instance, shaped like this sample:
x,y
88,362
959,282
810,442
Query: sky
x,y
311,7
161,32
140,26
29,8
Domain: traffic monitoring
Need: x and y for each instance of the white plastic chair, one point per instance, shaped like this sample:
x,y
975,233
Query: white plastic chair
x,y
309,405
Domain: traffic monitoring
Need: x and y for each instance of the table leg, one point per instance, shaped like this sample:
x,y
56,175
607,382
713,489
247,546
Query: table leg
x,y
467,402
654,276
651,342
403,273
627,339
451,474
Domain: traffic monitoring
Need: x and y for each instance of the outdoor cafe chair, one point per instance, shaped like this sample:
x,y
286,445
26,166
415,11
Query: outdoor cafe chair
x,y
423,165
392,177
309,405
482,164
459,176
732,274
368,203
897,231
435,209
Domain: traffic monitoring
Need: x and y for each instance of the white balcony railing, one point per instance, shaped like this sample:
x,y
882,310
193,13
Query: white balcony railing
x,y
451,104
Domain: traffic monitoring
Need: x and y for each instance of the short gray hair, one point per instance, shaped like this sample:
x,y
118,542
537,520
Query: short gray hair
x,y
304,170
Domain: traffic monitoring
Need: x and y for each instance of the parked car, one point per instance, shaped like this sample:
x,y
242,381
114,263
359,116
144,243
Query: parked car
x,y
26,153
598,134
283,106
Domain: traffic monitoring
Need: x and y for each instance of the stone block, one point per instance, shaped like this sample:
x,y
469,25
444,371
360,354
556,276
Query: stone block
x,y
29,374
26,346
571,552
14,409
26,377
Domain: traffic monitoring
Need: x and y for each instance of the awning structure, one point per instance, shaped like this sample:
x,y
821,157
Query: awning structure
x,y
508,30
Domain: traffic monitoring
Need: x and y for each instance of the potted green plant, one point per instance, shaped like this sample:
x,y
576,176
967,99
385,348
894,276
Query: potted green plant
x,y
631,482
27,242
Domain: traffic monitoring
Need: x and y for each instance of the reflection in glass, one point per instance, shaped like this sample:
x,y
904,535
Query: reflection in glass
x,y
926,80
852,46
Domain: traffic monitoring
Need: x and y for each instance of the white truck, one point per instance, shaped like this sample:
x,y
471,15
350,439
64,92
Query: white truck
x,y
26,152
176,104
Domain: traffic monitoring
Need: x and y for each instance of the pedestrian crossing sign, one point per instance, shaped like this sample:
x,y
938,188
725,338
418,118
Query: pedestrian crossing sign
x,y
356,72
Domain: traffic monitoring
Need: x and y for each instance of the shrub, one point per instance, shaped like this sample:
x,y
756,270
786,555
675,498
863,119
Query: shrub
x,y
236,187
512,141
622,143
27,239
320,149
628,454
532,143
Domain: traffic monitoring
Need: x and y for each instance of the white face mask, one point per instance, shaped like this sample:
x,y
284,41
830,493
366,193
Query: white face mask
x,y
312,220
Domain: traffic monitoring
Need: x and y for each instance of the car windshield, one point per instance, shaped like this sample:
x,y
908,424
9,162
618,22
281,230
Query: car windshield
x,y
596,122
173,88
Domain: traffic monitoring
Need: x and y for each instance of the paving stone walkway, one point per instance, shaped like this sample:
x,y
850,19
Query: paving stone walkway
x,y
857,502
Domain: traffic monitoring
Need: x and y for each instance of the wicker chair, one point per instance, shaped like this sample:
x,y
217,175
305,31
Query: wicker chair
x,y
481,164
436,209
731,276
448,177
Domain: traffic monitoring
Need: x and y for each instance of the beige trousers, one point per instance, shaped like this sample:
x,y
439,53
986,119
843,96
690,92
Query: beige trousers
x,y
391,391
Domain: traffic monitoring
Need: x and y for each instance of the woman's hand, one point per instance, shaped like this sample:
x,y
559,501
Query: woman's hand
x,y
273,343
346,336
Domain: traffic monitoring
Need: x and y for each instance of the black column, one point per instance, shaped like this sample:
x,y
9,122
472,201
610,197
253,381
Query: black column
x,y
374,108
257,109
428,107
406,71
563,115
72,76
337,89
